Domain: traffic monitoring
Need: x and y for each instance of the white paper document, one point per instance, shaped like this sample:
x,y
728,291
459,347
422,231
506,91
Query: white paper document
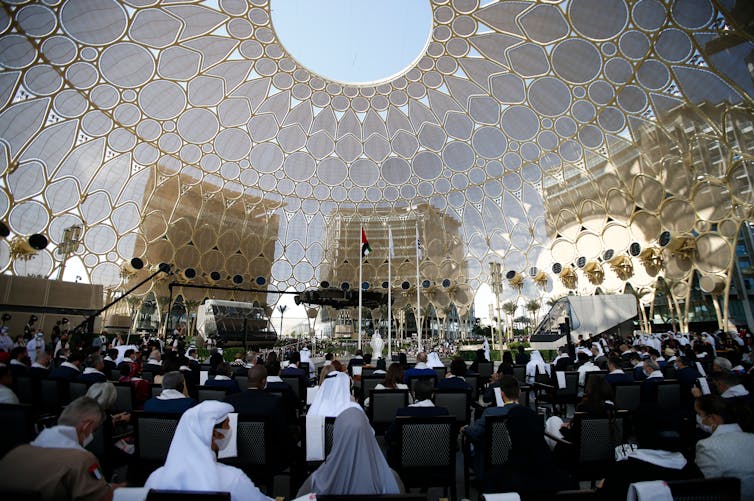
x,y
499,397
561,379
315,438
704,385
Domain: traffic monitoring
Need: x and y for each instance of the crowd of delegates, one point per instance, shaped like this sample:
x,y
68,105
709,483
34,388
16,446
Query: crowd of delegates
x,y
720,443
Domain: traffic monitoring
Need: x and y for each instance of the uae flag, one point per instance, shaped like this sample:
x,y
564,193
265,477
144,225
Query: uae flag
x,y
365,248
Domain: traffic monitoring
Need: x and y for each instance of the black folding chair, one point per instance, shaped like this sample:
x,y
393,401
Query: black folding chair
x,y
211,393
153,433
627,396
485,371
425,452
368,383
440,371
17,424
458,403
669,394
413,379
77,389
709,489
126,396
384,404
555,396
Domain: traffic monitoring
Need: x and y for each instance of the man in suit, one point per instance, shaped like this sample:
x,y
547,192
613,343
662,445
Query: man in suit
x,y
93,370
454,380
638,367
616,374
19,362
294,370
70,369
256,402
686,375
423,406
420,369
109,360
41,368
154,363
653,376
510,393
277,385
563,360
223,378
173,398
357,360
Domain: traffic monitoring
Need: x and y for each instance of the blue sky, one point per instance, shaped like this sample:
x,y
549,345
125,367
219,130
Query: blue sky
x,y
353,41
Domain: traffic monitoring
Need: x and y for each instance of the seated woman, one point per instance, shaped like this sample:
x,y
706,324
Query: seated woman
x,y
192,459
223,378
355,465
393,381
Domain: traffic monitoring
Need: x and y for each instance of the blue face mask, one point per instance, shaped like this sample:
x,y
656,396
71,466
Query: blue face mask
x,y
705,427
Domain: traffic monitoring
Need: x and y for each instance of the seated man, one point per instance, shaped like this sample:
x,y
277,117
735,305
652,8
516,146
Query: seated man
x,y
294,370
254,400
70,369
192,464
277,385
510,393
110,357
423,406
454,379
649,386
154,363
615,373
173,399
55,464
93,372
420,369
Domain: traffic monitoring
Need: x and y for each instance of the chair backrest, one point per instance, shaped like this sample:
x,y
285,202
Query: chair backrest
x,y
295,383
329,428
519,372
367,371
124,400
571,385
426,442
440,371
253,440
305,367
413,379
627,396
598,437
668,372
154,432
369,382
485,370
210,393
591,374
458,403
669,394
148,375
384,403
51,392
155,389
25,389
498,441
243,382
114,374
77,389
473,382
709,489
161,495
16,425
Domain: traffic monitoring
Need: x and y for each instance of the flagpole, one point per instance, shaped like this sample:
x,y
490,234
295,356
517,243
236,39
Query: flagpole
x,y
389,295
361,260
418,292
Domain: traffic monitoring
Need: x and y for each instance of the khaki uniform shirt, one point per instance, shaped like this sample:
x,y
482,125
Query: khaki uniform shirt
x,y
54,473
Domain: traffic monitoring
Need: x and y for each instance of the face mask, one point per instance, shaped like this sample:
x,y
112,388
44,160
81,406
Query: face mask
x,y
223,442
646,373
88,440
705,427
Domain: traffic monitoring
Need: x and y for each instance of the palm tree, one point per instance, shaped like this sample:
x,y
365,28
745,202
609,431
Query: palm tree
x,y
533,306
509,309
551,302
638,294
281,309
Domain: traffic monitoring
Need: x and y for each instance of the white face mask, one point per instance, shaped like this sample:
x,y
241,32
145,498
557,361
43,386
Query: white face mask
x,y
223,442
705,427
87,440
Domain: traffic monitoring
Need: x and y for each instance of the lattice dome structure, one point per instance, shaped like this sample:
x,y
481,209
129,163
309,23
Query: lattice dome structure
x,y
549,136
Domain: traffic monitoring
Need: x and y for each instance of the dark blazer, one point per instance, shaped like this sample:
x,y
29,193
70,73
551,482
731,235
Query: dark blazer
x,y
562,364
618,378
153,368
241,370
452,383
259,403
65,373
18,370
172,406
413,371
639,374
38,372
231,384
109,366
289,397
91,378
